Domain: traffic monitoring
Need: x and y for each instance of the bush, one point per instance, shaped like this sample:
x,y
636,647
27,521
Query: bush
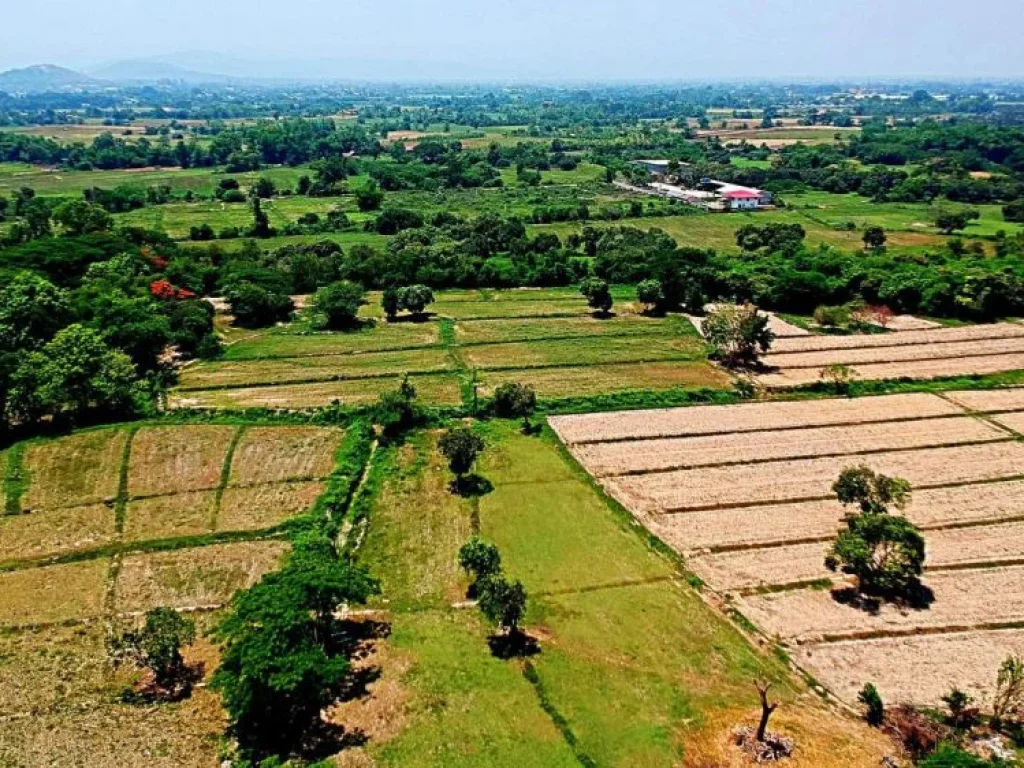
x,y
598,296
874,709
253,306
460,446
396,411
737,335
337,305
832,317
514,400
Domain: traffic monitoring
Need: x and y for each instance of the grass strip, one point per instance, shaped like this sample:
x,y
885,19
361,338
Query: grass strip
x,y
225,475
15,479
121,502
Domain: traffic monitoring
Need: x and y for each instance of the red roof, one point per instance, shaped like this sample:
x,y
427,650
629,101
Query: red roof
x,y
742,194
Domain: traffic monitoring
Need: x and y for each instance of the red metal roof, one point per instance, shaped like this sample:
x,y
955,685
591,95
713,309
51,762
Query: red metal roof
x,y
742,194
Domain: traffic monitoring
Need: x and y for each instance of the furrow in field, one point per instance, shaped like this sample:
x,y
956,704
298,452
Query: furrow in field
x,y
807,479
1013,421
916,353
903,338
922,369
962,599
776,524
753,417
738,448
916,669
796,563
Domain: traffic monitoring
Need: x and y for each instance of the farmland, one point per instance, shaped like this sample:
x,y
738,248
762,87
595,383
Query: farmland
x,y
744,492
548,338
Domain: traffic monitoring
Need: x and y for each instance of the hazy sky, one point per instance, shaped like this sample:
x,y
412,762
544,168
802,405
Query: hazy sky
x,y
531,39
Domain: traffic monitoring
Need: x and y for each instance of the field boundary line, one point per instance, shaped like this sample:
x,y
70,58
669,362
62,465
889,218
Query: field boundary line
x,y
225,475
344,353
571,337
623,584
801,500
882,634
316,380
783,367
213,488
532,676
802,457
999,336
122,497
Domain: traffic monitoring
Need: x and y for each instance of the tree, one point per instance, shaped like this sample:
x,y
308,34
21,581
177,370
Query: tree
x,y
514,400
738,335
391,302
73,374
461,447
766,710
1008,700
338,304
962,716
396,411
949,221
874,709
415,298
79,217
874,238
265,188
369,197
503,602
885,552
37,218
1014,211
282,661
260,221
650,294
157,647
598,295
253,306
480,559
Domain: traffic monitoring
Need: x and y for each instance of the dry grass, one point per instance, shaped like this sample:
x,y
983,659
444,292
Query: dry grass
x,y
606,379
177,459
914,669
272,454
930,369
263,506
804,479
990,400
438,390
653,455
595,351
490,331
165,517
962,599
55,531
74,470
202,576
715,419
936,336
905,353
52,594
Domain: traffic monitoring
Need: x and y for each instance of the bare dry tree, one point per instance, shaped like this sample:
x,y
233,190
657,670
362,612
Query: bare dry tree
x,y
766,708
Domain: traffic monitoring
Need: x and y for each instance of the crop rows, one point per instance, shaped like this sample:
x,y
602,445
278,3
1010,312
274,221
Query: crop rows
x,y
907,353
923,369
900,339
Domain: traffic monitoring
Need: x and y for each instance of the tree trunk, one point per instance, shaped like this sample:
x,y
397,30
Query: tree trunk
x,y
766,710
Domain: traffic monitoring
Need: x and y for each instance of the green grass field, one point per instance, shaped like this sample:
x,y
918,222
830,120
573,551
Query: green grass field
x,y
634,668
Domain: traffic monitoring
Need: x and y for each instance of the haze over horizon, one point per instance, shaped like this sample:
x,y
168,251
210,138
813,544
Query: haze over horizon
x,y
527,40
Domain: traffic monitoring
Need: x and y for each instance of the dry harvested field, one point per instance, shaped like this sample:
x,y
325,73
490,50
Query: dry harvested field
x,y
932,353
745,493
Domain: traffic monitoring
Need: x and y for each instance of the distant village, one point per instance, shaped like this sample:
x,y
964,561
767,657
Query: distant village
x,y
667,180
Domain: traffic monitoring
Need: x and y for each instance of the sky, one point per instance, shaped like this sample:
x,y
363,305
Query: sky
x,y
524,40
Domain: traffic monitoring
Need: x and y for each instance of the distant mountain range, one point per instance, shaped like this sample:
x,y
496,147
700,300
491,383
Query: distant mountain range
x,y
153,71
44,77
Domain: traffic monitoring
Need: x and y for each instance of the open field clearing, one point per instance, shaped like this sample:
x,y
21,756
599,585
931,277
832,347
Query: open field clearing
x,y
788,361
756,520
806,479
56,531
276,454
583,381
489,331
176,459
170,516
622,458
779,524
52,594
914,668
937,336
990,401
435,389
963,599
382,337
581,352
638,669
307,369
801,563
718,419
924,369
78,469
534,307
1014,421
198,577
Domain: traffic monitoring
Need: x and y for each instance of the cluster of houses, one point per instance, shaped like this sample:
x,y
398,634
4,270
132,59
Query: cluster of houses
x,y
707,193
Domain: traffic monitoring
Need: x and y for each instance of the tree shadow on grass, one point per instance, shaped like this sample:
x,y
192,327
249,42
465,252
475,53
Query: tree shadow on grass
x,y
513,645
471,486
421,317
918,597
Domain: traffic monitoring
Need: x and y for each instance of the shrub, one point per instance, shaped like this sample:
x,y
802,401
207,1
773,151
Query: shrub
x,y
514,400
597,293
337,305
737,335
874,709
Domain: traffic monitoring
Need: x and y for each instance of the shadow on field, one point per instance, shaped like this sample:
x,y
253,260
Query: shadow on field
x,y
471,486
918,597
513,645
